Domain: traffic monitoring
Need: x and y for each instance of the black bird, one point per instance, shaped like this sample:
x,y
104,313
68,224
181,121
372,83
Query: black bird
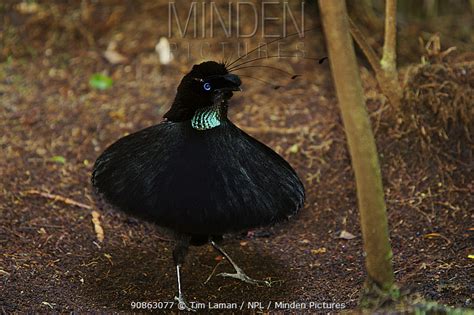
x,y
196,174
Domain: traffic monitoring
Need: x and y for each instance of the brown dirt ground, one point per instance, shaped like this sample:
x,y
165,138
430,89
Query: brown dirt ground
x,y
50,259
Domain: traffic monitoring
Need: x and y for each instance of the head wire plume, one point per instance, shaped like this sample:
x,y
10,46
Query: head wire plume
x,y
271,42
231,66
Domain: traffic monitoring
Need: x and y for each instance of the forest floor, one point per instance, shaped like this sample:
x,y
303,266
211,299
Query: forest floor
x,y
53,126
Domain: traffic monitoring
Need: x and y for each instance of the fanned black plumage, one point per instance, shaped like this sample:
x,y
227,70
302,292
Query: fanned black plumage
x,y
197,174
198,182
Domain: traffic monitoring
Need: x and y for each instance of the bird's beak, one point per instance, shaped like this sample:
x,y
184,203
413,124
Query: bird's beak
x,y
233,83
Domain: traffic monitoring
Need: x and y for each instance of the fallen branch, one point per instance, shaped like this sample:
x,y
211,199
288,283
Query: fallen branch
x,y
363,44
54,197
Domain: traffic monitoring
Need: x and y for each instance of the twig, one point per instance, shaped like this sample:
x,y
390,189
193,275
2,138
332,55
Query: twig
x,y
164,239
434,235
213,271
54,197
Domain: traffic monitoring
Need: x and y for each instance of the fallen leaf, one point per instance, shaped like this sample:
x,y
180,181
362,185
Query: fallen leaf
x,y
113,56
320,250
346,235
99,231
58,159
41,151
100,81
164,51
118,114
432,235
27,7
294,148
48,304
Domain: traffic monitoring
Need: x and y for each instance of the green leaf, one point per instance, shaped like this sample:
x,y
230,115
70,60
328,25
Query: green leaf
x,y
58,159
100,81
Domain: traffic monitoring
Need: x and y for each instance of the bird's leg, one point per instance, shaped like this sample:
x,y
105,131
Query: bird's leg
x,y
182,304
179,254
239,273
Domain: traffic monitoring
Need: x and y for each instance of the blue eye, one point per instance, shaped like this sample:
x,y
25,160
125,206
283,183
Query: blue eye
x,y
207,86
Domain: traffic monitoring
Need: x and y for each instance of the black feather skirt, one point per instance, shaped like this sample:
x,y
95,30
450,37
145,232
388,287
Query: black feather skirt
x,y
207,182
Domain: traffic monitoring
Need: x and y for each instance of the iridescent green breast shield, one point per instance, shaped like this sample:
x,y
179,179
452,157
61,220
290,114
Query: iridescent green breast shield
x,y
206,118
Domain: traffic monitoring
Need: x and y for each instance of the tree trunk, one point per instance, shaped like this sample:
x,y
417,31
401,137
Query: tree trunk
x,y
362,148
389,58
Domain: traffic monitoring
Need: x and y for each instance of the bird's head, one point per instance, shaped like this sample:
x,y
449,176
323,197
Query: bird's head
x,y
207,85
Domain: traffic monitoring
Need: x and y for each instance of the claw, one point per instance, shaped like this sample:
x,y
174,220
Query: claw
x,y
239,273
182,304
243,277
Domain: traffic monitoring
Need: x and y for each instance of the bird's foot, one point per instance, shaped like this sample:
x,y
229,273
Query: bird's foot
x,y
182,304
240,275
